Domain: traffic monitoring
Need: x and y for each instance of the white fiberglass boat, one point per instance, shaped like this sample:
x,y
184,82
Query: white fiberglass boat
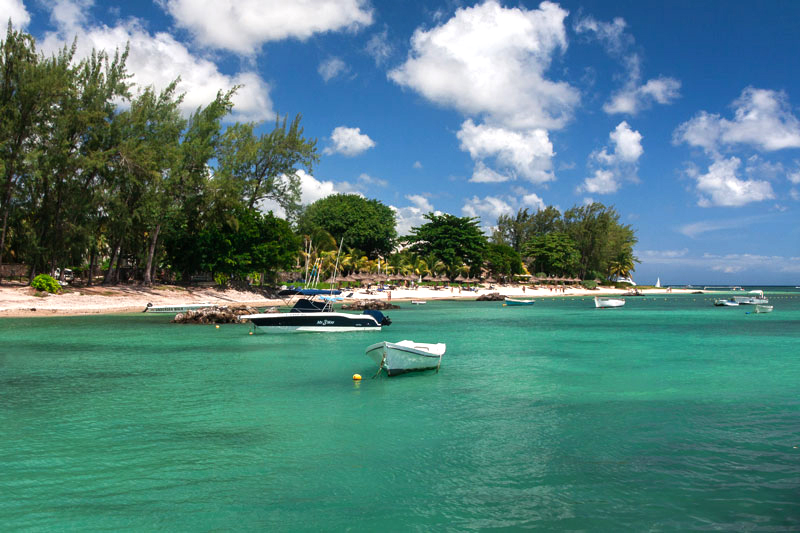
x,y
181,308
760,308
605,302
515,301
406,356
730,302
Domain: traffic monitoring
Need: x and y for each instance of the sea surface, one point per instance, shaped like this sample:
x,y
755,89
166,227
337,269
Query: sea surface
x,y
666,415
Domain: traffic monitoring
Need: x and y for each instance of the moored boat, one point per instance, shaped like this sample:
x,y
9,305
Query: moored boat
x,y
761,308
602,302
406,356
515,301
180,308
755,297
730,302
419,302
309,313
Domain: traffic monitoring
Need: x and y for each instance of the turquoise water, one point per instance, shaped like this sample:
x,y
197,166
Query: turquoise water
x,y
667,414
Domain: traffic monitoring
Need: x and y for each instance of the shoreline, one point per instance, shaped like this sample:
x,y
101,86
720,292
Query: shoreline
x,y
20,301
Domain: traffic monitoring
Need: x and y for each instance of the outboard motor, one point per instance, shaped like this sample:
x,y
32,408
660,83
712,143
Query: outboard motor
x,y
378,316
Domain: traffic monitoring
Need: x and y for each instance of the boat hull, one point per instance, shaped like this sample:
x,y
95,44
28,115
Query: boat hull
x,y
320,322
760,308
175,308
512,301
397,359
607,303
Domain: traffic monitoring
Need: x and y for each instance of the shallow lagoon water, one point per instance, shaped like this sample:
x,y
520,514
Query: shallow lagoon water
x,y
665,414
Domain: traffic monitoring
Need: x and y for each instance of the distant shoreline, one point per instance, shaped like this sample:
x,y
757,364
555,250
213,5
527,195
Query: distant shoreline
x,y
21,301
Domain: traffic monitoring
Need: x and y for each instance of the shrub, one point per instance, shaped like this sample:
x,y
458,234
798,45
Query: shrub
x,y
589,284
46,283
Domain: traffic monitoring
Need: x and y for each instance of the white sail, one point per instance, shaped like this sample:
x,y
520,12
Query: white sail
x,y
658,283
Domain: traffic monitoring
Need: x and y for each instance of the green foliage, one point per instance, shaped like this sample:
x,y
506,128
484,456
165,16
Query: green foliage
x,y
589,284
502,260
367,225
452,240
555,253
45,283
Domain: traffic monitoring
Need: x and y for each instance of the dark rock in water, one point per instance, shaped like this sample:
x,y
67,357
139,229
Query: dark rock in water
x,y
218,314
361,305
491,297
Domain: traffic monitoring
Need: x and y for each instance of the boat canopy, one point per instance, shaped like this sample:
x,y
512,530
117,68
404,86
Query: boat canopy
x,y
291,291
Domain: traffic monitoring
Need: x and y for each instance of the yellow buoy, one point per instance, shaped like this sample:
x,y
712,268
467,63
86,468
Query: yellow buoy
x,y
356,377
217,326
251,333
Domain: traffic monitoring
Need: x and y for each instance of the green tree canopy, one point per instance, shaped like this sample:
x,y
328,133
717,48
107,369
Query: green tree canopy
x,y
502,260
455,241
367,225
553,253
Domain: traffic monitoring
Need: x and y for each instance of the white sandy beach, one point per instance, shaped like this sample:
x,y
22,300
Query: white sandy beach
x,y
19,300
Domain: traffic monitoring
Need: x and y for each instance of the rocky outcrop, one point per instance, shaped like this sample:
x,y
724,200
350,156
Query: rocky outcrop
x,y
219,314
361,305
491,297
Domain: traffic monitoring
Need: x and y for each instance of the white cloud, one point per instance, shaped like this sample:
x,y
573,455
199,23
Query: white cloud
x,y
527,154
417,165
633,96
14,10
349,142
311,190
721,187
762,119
413,215
618,165
489,206
331,68
725,263
379,48
794,177
157,59
534,201
491,61
242,26
602,182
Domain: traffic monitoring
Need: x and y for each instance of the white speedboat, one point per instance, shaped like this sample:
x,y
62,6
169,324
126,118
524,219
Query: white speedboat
x,y
602,302
761,308
755,297
419,302
406,356
730,302
181,308
312,314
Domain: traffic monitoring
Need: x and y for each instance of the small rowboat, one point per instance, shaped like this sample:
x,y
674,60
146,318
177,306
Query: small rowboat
x,y
763,308
514,301
726,303
604,303
406,356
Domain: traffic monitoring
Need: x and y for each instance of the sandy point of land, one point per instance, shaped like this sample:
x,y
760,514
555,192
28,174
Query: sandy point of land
x,y
22,301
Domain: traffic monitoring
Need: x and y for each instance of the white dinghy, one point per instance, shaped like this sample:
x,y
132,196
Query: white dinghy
x,y
601,302
406,356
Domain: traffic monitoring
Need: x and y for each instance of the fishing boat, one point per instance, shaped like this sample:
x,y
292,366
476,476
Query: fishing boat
x,y
755,297
312,313
601,302
406,356
182,308
515,301
761,308
730,302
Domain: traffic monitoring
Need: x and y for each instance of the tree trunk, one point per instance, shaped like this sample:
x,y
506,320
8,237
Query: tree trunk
x,y
114,256
148,280
92,261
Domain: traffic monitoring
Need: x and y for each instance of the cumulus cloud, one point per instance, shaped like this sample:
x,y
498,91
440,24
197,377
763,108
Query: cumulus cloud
x,y
14,10
349,142
487,207
490,60
242,26
720,186
724,263
618,165
331,68
526,154
413,215
633,96
311,190
379,48
157,59
762,119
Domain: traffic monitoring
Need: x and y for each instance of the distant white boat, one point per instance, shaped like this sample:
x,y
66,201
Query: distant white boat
x,y
625,279
406,356
763,308
730,302
756,298
175,308
419,302
601,302
658,283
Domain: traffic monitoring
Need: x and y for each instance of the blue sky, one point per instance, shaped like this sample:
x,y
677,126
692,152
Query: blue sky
x,y
682,115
